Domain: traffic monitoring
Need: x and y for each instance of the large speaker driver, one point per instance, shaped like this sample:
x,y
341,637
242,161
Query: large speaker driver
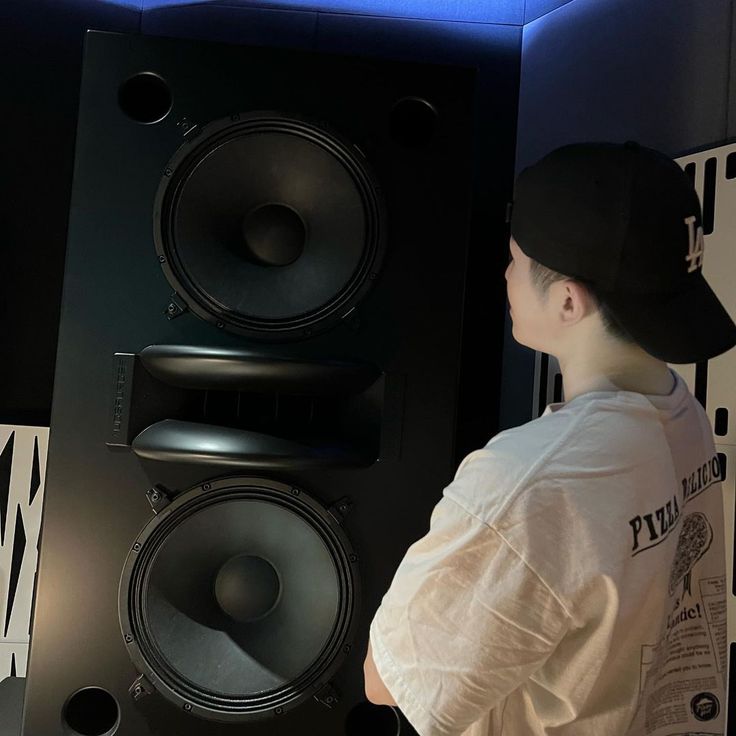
x,y
270,226
237,598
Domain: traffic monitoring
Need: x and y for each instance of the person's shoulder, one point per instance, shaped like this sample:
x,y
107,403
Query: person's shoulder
x,y
489,478
523,459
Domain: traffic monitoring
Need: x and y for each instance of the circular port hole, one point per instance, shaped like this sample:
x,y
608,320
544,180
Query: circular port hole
x,y
91,711
145,98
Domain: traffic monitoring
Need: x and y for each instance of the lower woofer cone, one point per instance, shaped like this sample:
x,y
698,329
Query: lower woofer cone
x,y
235,601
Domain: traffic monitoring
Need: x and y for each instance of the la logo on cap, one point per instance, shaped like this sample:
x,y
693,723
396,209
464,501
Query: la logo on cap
x,y
696,245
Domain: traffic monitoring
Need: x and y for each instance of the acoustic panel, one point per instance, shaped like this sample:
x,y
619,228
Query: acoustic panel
x,y
22,476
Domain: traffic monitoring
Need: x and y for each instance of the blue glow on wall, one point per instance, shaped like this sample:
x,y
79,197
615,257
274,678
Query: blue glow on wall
x,y
457,10
128,4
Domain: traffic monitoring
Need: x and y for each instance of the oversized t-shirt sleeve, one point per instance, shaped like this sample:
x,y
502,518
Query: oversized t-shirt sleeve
x,y
464,622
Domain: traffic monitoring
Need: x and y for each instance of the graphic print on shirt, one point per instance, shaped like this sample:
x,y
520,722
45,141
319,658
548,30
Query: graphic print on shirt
x,y
662,520
682,675
696,535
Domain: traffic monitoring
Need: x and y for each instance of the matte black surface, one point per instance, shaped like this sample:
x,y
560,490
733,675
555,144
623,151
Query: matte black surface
x,y
41,53
99,498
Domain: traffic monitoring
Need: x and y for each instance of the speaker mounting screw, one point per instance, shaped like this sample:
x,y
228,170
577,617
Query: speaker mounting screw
x,y
353,558
220,324
327,696
372,276
128,638
347,648
162,259
140,687
295,491
168,172
235,118
187,706
340,509
173,310
136,547
158,498
206,487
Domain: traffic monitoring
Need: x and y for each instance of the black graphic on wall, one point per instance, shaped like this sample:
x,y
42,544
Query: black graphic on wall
x,y
19,546
6,457
35,473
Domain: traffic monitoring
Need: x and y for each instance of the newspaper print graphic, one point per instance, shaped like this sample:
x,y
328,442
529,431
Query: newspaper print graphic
x,y
696,536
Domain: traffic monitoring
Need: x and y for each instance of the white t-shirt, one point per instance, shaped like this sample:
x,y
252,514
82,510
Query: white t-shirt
x,y
572,580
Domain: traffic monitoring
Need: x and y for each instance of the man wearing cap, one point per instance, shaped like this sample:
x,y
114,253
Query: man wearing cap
x,y
572,580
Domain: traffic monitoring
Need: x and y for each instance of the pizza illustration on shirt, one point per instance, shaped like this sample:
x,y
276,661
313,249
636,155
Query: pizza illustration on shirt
x,y
696,535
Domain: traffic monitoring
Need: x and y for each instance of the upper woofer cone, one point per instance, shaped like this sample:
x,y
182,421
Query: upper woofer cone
x,y
271,226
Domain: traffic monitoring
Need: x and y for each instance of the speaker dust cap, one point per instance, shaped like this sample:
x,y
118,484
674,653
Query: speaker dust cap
x,y
270,226
238,600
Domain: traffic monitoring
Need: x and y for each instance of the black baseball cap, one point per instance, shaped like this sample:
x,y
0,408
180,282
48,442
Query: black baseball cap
x,y
627,219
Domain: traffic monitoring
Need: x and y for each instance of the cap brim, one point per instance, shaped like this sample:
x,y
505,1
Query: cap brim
x,y
685,327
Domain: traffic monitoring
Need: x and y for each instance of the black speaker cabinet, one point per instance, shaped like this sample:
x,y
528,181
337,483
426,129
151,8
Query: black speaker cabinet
x,y
256,383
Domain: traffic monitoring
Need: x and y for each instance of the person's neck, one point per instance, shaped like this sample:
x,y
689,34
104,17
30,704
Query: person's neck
x,y
644,374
